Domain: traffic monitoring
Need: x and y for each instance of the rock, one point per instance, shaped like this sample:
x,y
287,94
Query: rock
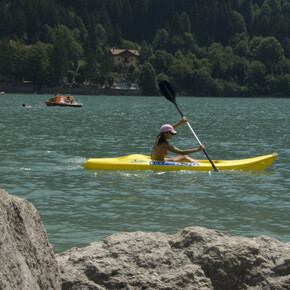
x,y
27,260
194,258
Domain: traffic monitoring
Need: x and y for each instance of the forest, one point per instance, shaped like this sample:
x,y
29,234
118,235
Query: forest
x,y
235,48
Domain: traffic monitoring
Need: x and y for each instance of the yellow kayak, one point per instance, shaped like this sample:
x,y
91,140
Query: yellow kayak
x,y
144,162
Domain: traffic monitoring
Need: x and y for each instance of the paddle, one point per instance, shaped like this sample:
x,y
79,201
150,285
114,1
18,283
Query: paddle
x,y
168,92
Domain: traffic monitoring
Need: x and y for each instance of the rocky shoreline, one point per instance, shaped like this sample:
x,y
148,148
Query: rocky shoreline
x,y
193,258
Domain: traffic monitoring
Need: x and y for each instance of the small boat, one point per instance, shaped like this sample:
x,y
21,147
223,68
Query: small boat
x,y
144,162
63,101
2,93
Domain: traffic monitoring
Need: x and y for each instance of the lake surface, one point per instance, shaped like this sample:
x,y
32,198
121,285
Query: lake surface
x,y
43,150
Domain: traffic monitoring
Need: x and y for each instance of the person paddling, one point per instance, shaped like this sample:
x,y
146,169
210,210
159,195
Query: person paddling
x,y
161,145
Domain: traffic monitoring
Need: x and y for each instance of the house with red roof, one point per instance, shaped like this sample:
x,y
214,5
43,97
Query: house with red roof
x,y
126,57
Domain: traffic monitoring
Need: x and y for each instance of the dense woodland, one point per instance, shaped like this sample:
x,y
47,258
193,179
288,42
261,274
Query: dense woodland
x,y
204,47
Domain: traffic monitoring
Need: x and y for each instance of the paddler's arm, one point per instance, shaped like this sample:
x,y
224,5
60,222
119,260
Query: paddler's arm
x,y
184,152
183,121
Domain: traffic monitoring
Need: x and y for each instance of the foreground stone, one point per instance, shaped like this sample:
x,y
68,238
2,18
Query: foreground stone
x,y
27,260
194,258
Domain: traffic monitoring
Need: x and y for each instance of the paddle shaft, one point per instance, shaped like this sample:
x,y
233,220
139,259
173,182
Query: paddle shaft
x,y
214,167
188,124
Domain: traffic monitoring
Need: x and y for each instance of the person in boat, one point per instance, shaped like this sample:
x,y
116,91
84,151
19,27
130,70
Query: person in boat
x,y
161,145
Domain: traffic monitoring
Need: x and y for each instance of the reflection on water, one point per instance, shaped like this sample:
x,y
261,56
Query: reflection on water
x,y
44,149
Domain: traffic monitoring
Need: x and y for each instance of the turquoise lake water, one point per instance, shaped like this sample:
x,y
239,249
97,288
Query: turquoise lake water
x,y
43,150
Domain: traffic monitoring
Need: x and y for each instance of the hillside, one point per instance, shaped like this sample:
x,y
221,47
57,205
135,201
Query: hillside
x,y
218,48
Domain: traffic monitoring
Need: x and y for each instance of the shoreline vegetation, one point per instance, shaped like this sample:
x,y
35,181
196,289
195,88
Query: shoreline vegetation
x,y
72,90
108,91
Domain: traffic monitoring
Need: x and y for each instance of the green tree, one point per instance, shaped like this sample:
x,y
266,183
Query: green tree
x,y
47,34
20,59
106,64
176,25
126,19
67,52
257,72
106,23
264,20
70,76
20,22
275,7
74,49
39,62
145,52
221,59
219,67
127,44
255,42
101,35
161,61
285,83
190,44
215,49
272,83
269,52
240,69
148,79
180,71
91,68
110,80
59,59
286,46
185,23
118,38
160,40
246,10
237,23
162,77
202,83
6,58
242,48
176,43
285,66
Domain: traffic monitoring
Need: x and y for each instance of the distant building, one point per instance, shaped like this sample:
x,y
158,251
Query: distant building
x,y
125,57
125,86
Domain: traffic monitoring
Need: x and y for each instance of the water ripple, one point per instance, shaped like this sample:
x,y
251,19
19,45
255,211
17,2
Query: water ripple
x,y
44,149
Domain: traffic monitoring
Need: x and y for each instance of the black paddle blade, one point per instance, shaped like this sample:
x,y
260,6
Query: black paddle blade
x,y
167,91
